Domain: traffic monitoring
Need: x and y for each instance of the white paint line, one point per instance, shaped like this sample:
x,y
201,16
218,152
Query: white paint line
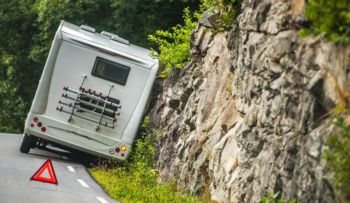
x,y
101,199
71,169
82,183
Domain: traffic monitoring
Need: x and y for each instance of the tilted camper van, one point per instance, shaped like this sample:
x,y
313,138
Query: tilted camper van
x,y
92,93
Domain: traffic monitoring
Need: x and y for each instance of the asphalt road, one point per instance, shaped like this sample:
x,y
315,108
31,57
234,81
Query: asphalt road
x,y
74,182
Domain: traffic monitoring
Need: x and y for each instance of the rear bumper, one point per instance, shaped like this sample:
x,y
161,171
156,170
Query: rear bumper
x,y
75,138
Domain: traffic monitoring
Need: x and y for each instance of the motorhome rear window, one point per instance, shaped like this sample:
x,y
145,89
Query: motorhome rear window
x,y
111,71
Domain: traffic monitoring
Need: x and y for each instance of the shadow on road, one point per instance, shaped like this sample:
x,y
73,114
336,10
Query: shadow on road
x,y
56,153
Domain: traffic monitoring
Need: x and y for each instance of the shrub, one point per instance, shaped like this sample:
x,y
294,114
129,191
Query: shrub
x,y
174,45
329,17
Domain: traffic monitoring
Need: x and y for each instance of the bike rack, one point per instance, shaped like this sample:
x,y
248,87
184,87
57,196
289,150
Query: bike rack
x,y
104,109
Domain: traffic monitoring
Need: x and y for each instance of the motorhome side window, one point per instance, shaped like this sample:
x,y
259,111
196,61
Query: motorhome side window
x,y
111,71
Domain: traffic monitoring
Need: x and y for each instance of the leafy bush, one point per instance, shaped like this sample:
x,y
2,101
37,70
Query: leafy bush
x,y
338,156
331,17
136,179
174,45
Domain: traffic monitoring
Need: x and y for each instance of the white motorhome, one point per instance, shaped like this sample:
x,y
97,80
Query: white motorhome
x,y
92,93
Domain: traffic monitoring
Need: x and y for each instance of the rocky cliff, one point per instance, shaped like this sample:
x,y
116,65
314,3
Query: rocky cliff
x,y
249,115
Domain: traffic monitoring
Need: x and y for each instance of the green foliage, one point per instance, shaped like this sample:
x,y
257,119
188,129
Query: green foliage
x,y
11,116
136,180
50,13
228,11
338,156
304,32
331,17
16,85
174,46
275,198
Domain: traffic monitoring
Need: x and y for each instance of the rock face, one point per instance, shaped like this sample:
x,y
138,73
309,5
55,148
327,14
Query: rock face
x,y
249,115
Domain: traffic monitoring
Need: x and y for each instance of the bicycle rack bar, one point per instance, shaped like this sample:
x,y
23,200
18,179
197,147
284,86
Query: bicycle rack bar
x,y
99,99
96,114
88,119
104,107
64,103
99,107
71,114
94,106
87,111
68,97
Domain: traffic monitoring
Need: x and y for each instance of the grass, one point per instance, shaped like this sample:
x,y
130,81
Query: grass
x,y
136,180
123,186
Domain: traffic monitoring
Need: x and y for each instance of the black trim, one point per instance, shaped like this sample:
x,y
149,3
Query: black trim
x,y
121,67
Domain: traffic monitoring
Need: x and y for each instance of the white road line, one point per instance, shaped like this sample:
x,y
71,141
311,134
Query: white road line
x,y
71,169
82,183
101,199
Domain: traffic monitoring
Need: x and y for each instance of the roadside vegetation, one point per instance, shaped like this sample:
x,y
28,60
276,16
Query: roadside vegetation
x,y
330,18
136,180
174,44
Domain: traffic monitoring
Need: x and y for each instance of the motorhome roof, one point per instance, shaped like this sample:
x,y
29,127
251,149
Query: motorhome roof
x,y
107,39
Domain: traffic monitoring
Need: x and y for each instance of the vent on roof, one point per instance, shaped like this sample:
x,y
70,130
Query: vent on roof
x,y
108,34
87,28
120,40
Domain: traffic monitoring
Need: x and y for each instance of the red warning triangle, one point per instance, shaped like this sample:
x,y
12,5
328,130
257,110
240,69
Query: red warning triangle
x,y
45,173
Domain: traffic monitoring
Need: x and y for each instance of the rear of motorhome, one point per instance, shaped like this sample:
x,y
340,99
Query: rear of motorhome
x,y
92,93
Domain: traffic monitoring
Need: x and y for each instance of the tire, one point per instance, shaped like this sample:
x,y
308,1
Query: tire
x,y
26,144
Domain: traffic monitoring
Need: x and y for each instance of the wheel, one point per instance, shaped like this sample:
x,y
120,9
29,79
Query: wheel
x,y
26,143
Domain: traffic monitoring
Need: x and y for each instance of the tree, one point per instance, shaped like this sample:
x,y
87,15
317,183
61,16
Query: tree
x,y
16,85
